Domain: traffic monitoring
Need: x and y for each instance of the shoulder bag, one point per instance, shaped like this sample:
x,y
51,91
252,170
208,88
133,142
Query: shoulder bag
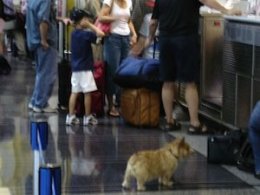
x,y
104,26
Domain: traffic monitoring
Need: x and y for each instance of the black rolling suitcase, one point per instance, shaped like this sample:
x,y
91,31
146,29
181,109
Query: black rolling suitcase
x,y
64,75
64,72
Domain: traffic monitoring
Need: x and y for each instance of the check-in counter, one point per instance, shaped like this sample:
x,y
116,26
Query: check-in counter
x,y
241,68
230,68
211,82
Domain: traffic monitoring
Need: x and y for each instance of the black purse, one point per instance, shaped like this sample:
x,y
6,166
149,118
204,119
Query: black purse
x,y
224,149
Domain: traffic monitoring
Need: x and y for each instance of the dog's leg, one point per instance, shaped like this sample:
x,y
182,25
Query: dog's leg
x,y
140,184
160,180
168,183
166,180
127,178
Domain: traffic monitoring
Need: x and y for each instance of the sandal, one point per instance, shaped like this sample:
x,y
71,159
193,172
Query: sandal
x,y
113,113
171,126
199,130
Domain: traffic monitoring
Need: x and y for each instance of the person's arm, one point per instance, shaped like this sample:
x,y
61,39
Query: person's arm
x,y
87,24
133,33
218,6
44,34
152,30
98,32
139,46
43,14
65,20
104,15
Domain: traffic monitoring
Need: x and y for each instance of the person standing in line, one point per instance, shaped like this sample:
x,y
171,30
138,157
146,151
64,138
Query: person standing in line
x,y
41,32
117,43
139,49
140,9
180,53
82,78
254,136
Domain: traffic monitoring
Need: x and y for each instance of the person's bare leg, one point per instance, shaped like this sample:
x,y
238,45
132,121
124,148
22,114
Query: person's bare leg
x,y
111,107
192,100
72,103
87,103
167,99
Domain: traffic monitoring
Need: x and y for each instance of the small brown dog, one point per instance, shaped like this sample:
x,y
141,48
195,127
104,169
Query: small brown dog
x,y
152,164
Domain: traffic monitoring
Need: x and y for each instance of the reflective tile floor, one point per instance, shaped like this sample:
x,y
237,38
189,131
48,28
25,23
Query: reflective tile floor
x,y
93,159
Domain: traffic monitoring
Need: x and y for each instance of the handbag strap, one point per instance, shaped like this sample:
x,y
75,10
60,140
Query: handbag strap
x,y
155,41
112,5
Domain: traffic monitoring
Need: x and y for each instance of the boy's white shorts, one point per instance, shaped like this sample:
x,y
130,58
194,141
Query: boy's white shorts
x,y
83,81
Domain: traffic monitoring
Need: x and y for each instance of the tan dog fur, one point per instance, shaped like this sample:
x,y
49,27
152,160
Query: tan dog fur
x,y
156,164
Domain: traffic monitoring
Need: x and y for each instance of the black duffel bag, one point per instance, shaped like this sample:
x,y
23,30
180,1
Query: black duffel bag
x,y
225,149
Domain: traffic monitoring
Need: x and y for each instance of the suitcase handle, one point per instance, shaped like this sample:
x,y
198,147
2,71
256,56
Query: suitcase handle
x,y
66,46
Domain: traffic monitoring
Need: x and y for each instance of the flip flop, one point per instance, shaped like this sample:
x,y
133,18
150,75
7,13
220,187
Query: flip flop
x,y
113,113
199,130
171,126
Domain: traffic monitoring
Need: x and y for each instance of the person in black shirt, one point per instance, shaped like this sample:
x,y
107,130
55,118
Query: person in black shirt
x,y
180,53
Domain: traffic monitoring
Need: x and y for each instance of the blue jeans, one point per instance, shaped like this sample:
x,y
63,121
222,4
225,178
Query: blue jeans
x,y
254,134
46,74
116,48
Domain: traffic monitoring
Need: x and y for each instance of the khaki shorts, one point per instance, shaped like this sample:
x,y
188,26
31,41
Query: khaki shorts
x,y
83,81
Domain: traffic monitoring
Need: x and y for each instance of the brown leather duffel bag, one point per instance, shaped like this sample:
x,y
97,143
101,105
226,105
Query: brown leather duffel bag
x,y
140,107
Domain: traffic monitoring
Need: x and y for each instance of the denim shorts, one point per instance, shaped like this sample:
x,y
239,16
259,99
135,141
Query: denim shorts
x,y
179,58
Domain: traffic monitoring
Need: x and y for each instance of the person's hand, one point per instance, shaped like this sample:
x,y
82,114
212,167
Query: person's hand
x,y
134,52
133,40
67,21
85,23
100,33
234,11
45,44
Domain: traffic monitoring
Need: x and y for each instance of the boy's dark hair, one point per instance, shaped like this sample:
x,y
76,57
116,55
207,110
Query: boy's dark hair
x,y
77,14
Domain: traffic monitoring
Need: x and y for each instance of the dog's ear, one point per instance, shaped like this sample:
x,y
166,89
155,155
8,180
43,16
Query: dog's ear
x,y
182,141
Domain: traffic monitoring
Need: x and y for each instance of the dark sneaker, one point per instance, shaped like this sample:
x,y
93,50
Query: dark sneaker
x,y
171,126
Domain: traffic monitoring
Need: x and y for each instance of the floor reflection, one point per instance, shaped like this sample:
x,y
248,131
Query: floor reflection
x,y
92,159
